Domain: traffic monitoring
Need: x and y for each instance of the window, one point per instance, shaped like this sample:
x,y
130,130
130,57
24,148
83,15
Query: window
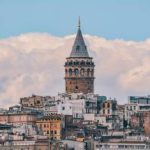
x,y
108,111
63,108
44,125
77,63
130,107
76,87
77,48
88,72
70,72
103,104
55,132
103,111
38,102
82,62
40,125
47,132
87,103
76,72
82,72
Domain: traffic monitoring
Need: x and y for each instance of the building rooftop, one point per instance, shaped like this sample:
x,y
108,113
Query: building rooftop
x,y
51,117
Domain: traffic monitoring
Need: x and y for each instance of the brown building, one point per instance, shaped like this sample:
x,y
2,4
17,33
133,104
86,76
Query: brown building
x,y
141,120
34,101
51,126
79,68
18,118
147,123
137,121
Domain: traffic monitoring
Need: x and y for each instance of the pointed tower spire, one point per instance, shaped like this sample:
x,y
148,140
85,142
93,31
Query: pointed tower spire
x,y
79,48
79,22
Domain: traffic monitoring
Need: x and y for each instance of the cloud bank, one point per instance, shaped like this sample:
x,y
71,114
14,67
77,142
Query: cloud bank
x,y
33,63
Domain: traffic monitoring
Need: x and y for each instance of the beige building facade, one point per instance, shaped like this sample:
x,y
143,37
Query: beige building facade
x,y
18,118
51,126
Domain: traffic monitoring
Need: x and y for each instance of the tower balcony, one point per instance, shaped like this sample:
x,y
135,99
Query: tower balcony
x,y
79,64
79,77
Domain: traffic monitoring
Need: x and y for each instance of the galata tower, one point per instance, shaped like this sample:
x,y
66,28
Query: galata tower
x,y
79,67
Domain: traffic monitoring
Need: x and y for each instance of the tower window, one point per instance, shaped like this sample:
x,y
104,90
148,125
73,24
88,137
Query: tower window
x,y
88,63
88,72
82,72
77,48
70,72
70,63
76,63
76,72
82,62
76,87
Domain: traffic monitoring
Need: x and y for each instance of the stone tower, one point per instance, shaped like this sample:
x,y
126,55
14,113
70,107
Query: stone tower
x,y
79,67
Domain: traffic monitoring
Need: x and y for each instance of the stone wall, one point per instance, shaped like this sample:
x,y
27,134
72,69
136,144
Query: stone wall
x,y
84,85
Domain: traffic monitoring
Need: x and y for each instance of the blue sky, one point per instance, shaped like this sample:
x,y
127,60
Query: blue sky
x,y
112,19
30,58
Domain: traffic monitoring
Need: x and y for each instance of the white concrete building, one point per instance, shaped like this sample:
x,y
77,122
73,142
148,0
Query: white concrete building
x,y
28,130
76,104
89,117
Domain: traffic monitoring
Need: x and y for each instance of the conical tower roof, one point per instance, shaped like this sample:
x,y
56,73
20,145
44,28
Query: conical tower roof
x,y
79,48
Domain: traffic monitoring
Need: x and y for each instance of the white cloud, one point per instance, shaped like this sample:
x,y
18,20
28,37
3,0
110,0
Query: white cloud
x,y
33,64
